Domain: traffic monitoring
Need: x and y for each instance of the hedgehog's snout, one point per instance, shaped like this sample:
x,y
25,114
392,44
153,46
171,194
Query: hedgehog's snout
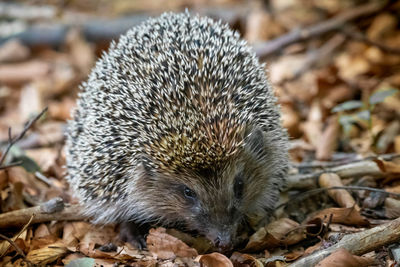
x,y
222,239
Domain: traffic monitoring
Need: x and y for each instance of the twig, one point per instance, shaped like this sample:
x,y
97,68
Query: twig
x,y
330,164
267,48
18,163
12,141
52,210
12,243
357,243
355,169
312,192
358,36
15,238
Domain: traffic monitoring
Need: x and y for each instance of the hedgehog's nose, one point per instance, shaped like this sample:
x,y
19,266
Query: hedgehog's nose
x,y
223,242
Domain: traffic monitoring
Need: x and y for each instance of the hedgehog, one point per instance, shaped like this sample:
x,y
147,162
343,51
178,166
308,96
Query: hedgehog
x,y
177,124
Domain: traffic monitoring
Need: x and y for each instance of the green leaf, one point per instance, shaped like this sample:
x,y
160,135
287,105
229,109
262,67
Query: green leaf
x,y
364,115
347,119
29,164
82,262
379,96
348,105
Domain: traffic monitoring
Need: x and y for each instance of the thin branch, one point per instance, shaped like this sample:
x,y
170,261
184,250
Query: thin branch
x,y
52,210
20,232
14,164
269,47
357,243
12,243
12,141
312,192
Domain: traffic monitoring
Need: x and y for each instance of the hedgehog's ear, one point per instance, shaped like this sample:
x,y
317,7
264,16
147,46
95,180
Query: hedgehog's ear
x,y
146,165
255,142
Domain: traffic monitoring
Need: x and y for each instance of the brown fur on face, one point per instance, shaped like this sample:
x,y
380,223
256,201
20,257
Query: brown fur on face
x,y
225,199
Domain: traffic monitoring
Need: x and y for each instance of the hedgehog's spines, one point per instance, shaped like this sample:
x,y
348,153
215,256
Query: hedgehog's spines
x,y
173,94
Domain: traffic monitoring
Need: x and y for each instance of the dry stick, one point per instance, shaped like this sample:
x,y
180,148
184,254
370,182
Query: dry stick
x,y
12,141
326,164
358,243
267,48
12,243
355,169
14,164
18,249
306,194
52,210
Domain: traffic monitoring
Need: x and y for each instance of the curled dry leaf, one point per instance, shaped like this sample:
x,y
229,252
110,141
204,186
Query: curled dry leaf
x,y
73,232
342,257
294,254
392,208
388,167
348,216
165,246
342,197
47,254
214,260
280,232
328,140
200,243
244,260
96,236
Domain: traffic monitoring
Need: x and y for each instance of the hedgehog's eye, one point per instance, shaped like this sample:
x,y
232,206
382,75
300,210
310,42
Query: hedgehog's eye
x,y
238,187
189,193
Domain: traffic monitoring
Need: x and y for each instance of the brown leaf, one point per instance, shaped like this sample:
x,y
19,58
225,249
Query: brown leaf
x,y
342,258
349,216
82,53
392,208
214,260
61,110
294,254
94,237
328,140
165,246
73,232
244,260
388,167
342,197
280,232
47,254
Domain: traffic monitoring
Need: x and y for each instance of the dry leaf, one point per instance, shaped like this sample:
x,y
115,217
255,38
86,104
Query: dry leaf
x,y
275,234
349,216
214,260
342,197
48,254
328,140
61,110
245,260
392,208
342,257
165,246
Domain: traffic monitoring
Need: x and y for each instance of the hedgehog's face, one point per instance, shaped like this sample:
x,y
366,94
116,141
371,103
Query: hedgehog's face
x,y
220,203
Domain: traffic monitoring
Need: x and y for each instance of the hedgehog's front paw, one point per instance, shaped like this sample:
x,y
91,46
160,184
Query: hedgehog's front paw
x,y
134,233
